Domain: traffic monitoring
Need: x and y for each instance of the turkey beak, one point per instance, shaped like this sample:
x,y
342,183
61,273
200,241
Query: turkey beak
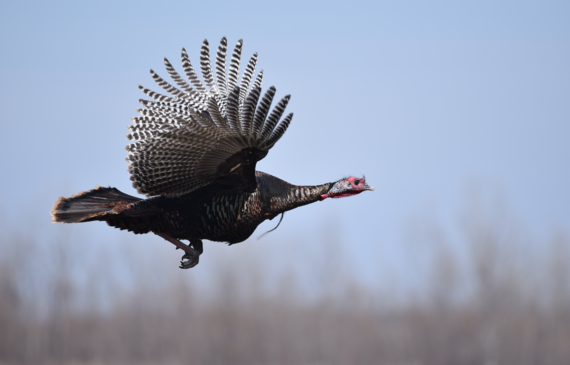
x,y
367,187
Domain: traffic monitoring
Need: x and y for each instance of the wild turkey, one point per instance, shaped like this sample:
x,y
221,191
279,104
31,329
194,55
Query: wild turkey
x,y
195,159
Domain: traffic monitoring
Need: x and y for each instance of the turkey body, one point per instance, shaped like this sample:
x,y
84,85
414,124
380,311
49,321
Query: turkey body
x,y
213,214
193,154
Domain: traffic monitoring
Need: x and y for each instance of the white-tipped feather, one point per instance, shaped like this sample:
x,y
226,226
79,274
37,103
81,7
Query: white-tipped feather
x,y
233,110
206,66
233,73
280,130
246,78
247,111
181,141
274,117
221,66
192,75
262,110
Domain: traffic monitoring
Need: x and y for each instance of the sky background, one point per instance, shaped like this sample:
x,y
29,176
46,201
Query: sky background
x,y
440,104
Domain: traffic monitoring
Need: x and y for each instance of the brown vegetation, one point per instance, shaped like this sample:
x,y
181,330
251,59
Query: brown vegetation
x,y
485,298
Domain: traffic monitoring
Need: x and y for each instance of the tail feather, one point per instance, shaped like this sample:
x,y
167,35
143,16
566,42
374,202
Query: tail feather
x,y
96,204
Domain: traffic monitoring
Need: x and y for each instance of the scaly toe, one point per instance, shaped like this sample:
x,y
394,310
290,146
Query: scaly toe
x,y
188,261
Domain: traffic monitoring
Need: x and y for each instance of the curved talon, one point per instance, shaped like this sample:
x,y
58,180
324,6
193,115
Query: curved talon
x,y
191,261
193,252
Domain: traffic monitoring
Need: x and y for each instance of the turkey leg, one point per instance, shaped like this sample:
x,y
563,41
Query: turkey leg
x,y
192,256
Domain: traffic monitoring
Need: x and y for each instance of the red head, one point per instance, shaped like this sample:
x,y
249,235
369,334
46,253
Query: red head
x,y
347,187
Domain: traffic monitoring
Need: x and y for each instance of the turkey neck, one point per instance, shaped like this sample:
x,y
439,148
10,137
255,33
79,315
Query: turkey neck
x,y
282,196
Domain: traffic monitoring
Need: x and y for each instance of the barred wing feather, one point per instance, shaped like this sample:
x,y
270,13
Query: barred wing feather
x,y
204,134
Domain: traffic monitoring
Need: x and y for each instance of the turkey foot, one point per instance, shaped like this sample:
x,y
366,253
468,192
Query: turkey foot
x,y
188,262
192,261
191,257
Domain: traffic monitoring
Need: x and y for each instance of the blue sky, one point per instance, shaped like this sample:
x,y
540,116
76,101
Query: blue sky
x,y
436,102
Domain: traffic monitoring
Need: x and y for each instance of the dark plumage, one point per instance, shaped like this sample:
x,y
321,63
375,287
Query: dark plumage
x,y
195,159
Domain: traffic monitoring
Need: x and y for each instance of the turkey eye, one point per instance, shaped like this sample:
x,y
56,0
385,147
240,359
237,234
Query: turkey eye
x,y
356,182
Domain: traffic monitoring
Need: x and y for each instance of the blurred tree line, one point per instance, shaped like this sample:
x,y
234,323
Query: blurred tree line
x,y
487,296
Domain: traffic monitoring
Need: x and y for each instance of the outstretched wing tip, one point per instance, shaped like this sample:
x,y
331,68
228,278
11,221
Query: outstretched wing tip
x,y
180,142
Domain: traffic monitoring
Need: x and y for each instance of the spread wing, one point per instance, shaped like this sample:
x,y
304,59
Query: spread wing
x,y
204,134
